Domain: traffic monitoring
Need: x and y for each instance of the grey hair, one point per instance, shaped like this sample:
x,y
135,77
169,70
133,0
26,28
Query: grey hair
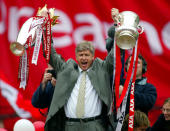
x,y
85,45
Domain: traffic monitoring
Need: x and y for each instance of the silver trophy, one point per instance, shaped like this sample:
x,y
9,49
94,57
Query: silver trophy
x,y
18,47
127,28
29,29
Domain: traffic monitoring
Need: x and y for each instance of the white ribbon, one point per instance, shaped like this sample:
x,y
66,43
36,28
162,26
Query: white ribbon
x,y
23,71
37,21
37,45
122,109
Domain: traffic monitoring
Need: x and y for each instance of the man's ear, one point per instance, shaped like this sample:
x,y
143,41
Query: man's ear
x,y
76,56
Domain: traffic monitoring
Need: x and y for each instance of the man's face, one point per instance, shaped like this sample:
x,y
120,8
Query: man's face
x,y
139,68
166,111
85,59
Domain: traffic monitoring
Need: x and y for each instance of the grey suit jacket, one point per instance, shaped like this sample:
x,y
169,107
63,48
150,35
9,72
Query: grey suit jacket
x,y
99,75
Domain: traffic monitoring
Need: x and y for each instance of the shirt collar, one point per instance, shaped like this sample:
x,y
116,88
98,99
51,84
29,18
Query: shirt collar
x,y
80,70
142,81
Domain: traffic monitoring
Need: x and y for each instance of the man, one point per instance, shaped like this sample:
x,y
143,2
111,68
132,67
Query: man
x,y
163,122
64,113
43,95
145,93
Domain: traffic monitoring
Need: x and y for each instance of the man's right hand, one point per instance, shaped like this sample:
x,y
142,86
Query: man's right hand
x,y
47,77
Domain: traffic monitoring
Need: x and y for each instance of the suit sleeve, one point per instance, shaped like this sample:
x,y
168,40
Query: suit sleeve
x,y
56,60
109,61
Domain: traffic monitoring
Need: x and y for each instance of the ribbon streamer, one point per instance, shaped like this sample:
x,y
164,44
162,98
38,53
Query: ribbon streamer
x,y
131,76
37,45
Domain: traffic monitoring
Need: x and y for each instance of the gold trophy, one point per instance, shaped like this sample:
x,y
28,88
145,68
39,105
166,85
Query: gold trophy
x,y
127,28
18,47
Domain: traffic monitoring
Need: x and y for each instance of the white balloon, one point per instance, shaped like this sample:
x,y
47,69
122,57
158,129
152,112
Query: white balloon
x,y
24,125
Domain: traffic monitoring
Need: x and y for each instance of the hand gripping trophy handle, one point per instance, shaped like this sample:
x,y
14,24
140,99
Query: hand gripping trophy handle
x,y
116,16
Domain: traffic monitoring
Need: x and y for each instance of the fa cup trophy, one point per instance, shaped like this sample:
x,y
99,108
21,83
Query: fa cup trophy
x,y
127,28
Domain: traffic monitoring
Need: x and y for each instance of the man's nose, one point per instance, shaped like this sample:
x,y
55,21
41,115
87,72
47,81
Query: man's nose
x,y
165,113
83,57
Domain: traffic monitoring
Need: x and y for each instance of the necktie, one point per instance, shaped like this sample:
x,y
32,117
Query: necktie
x,y
81,96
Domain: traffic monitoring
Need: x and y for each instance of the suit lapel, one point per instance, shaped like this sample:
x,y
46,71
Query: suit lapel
x,y
93,78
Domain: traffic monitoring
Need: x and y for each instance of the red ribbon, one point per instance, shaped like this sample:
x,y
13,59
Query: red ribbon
x,y
48,39
117,78
132,100
117,74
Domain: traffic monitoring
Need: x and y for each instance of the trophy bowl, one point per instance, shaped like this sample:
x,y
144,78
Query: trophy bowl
x,y
127,33
17,48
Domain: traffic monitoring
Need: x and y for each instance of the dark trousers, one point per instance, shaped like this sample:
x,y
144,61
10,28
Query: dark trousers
x,y
95,125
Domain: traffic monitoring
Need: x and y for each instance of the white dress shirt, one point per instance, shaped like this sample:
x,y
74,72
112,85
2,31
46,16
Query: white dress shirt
x,y
93,104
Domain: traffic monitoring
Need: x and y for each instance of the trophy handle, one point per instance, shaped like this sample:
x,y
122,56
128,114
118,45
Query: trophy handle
x,y
140,29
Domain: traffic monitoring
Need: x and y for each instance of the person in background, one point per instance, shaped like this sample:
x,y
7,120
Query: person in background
x,y
163,122
43,95
145,93
141,122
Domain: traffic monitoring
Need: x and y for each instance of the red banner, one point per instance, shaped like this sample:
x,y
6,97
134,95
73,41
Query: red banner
x,y
88,20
